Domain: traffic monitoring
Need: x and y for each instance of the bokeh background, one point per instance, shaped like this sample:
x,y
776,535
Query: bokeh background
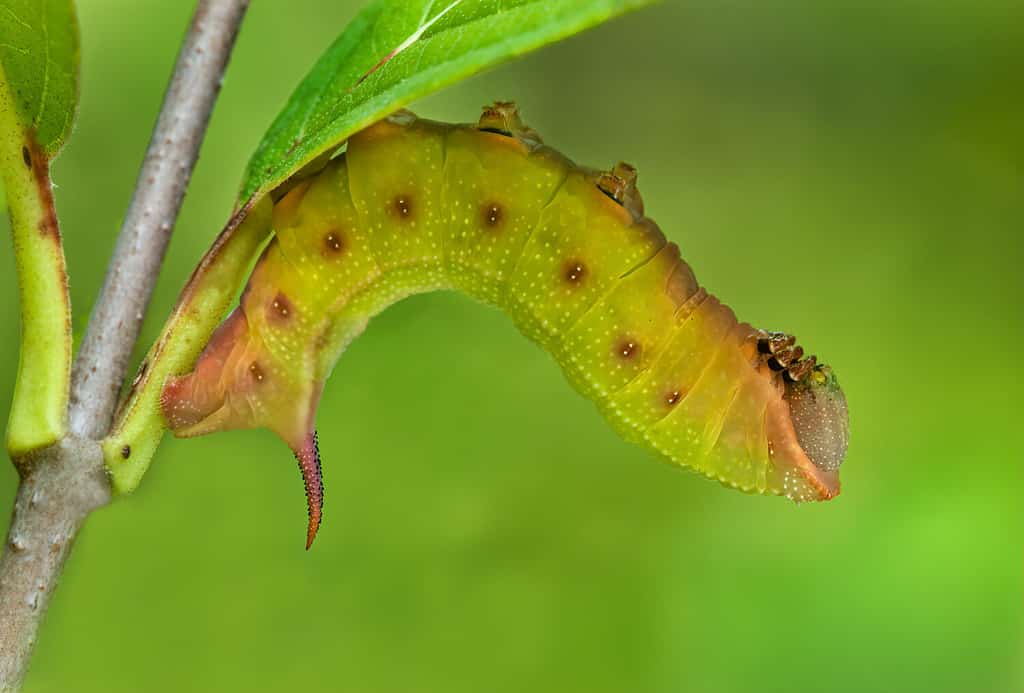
x,y
852,172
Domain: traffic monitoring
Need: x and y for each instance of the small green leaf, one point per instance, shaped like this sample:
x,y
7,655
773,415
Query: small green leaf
x,y
39,54
38,96
396,51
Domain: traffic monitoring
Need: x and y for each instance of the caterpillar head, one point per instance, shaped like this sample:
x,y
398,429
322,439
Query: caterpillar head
x,y
809,427
817,407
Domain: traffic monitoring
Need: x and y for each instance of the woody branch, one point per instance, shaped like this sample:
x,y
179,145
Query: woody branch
x,y
62,484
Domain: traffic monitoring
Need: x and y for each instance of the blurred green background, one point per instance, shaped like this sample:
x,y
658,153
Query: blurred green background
x,y
851,172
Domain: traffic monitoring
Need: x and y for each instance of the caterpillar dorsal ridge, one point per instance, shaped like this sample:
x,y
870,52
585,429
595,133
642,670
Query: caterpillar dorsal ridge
x,y
502,118
413,205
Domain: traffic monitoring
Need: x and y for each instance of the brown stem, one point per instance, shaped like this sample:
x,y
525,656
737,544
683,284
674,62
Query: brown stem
x,y
62,484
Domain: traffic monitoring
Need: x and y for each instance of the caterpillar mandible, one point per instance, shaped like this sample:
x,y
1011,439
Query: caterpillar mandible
x,y
414,205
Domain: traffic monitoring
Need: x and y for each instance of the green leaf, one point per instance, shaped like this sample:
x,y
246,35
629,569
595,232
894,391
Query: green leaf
x,y
396,51
39,55
38,96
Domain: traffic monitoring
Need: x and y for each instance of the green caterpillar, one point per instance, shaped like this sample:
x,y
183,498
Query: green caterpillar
x,y
413,206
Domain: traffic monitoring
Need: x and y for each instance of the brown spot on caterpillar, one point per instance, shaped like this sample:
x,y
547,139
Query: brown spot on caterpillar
x,y
402,206
627,349
26,157
280,307
333,243
492,215
672,398
574,272
256,372
126,452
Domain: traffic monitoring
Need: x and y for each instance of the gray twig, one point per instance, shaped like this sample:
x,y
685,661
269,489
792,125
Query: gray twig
x,y
61,485
114,325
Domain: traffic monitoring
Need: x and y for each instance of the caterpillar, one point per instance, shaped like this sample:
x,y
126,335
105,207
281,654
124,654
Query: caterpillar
x,y
413,205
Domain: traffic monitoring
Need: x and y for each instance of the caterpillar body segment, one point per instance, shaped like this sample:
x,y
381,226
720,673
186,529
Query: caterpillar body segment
x,y
485,234
415,206
583,245
396,180
625,331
